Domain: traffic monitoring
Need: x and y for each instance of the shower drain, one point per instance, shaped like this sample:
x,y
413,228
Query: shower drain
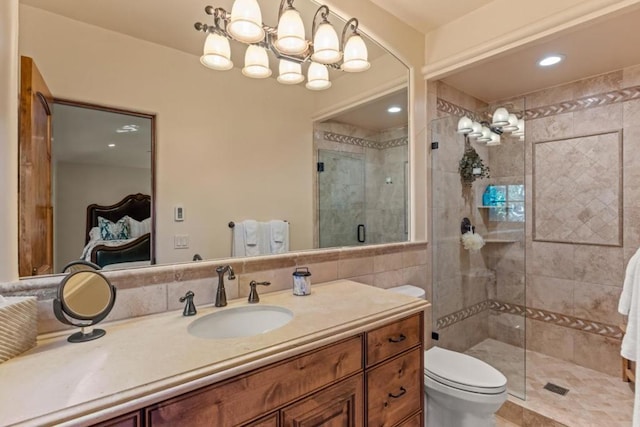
x,y
556,389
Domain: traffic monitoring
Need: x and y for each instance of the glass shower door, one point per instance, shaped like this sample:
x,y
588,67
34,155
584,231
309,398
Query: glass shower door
x,y
341,189
479,295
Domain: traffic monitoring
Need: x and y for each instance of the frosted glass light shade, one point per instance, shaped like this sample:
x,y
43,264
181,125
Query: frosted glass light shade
x,y
246,21
520,130
476,130
256,63
318,77
356,56
513,124
486,135
326,47
217,54
290,73
464,125
500,117
494,139
291,33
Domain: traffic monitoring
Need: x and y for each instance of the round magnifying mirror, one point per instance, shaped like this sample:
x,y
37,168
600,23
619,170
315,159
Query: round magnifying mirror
x,y
80,265
87,297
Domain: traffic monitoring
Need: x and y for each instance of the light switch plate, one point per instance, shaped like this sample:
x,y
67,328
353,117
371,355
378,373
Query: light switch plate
x,y
181,241
178,213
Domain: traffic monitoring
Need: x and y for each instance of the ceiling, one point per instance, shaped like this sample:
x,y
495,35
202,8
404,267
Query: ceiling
x,y
427,15
374,115
82,135
591,49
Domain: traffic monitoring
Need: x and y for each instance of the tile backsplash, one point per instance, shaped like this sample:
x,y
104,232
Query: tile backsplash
x,y
157,289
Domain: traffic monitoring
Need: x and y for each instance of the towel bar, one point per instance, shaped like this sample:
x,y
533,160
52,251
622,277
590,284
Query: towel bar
x,y
233,224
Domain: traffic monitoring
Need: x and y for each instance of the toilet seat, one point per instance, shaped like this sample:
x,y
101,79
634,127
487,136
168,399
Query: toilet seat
x,y
463,372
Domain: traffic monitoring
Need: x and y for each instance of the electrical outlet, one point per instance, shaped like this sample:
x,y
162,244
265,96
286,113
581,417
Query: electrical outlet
x,y
181,241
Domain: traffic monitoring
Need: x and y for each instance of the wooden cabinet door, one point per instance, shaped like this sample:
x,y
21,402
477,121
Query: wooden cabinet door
x,y
340,405
129,420
35,230
268,421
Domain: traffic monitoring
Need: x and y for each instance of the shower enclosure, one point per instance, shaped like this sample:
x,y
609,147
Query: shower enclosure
x,y
479,295
362,186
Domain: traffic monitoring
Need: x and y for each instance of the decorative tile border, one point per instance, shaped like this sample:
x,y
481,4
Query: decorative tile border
x,y
558,319
569,106
361,142
460,315
587,102
456,110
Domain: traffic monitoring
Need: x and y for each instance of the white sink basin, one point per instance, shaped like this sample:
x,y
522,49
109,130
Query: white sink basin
x,y
239,322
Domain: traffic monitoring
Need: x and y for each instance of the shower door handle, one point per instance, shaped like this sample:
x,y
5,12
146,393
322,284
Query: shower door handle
x,y
362,233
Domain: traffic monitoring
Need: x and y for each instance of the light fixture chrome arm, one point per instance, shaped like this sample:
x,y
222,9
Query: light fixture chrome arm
x,y
351,24
323,11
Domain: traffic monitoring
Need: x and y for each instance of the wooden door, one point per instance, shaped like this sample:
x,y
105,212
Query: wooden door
x,y
35,232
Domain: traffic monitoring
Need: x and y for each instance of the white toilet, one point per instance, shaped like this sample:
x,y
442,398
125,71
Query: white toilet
x,y
460,390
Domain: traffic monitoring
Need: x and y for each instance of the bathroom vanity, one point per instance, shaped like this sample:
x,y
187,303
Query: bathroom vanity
x,y
351,356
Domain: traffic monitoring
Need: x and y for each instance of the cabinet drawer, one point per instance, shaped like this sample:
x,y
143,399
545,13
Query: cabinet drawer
x,y
130,420
339,405
395,390
393,339
268,421
259,392
415,421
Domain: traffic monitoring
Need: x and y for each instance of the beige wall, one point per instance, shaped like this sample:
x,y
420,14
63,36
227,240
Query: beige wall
x,y
503,25
78,186
8,140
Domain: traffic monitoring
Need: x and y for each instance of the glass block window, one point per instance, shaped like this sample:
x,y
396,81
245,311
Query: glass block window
x,y
511,203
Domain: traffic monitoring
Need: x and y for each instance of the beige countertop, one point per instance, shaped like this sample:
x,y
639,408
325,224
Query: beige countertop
x,y
144,360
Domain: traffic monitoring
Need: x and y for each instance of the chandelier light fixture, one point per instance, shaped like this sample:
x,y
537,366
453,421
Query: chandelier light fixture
x,y
286,42
491,132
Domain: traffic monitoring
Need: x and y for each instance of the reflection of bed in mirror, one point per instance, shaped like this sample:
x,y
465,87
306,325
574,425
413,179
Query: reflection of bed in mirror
x,y
120,233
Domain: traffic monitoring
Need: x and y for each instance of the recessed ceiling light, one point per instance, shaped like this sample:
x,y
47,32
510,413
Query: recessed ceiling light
x,y
550,60
394,109
111,145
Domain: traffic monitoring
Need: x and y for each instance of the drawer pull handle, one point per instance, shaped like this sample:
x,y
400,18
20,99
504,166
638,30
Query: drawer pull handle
x,y
403,391
401,338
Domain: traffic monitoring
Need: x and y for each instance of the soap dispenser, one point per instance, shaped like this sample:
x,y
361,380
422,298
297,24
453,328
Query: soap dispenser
x,y
488,196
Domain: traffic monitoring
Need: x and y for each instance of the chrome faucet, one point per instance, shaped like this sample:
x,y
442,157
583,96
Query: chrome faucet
x,y
221,294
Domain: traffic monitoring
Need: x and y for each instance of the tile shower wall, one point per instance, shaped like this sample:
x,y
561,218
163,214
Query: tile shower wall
x,y
385,155
579,282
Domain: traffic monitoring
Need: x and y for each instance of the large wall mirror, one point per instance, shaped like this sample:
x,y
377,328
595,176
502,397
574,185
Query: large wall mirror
x,y
228,148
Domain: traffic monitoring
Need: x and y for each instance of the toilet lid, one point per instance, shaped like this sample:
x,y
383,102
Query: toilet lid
x,y
410,290
462,371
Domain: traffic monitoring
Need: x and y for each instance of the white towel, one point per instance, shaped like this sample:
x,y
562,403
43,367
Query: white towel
x,y
629,306
279,236
238,246
250,232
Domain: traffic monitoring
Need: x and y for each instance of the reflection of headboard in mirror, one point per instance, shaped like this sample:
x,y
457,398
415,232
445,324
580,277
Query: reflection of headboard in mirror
x,y
137,206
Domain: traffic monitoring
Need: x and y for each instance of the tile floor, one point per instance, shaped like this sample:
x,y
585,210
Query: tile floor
x,y
594,400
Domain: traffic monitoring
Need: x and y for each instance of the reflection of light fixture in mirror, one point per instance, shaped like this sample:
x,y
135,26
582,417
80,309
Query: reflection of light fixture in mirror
x,y
503,123
494,139
465,125
550,60
286,41
290,73
112,145
86,297
256,63
127,129
318,77
217,53
394,109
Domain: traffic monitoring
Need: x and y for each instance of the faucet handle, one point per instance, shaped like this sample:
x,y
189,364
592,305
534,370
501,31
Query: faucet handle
x,y
253,293
189,307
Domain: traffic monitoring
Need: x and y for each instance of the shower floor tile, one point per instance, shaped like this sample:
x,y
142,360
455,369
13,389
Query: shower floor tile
x,y
594,399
